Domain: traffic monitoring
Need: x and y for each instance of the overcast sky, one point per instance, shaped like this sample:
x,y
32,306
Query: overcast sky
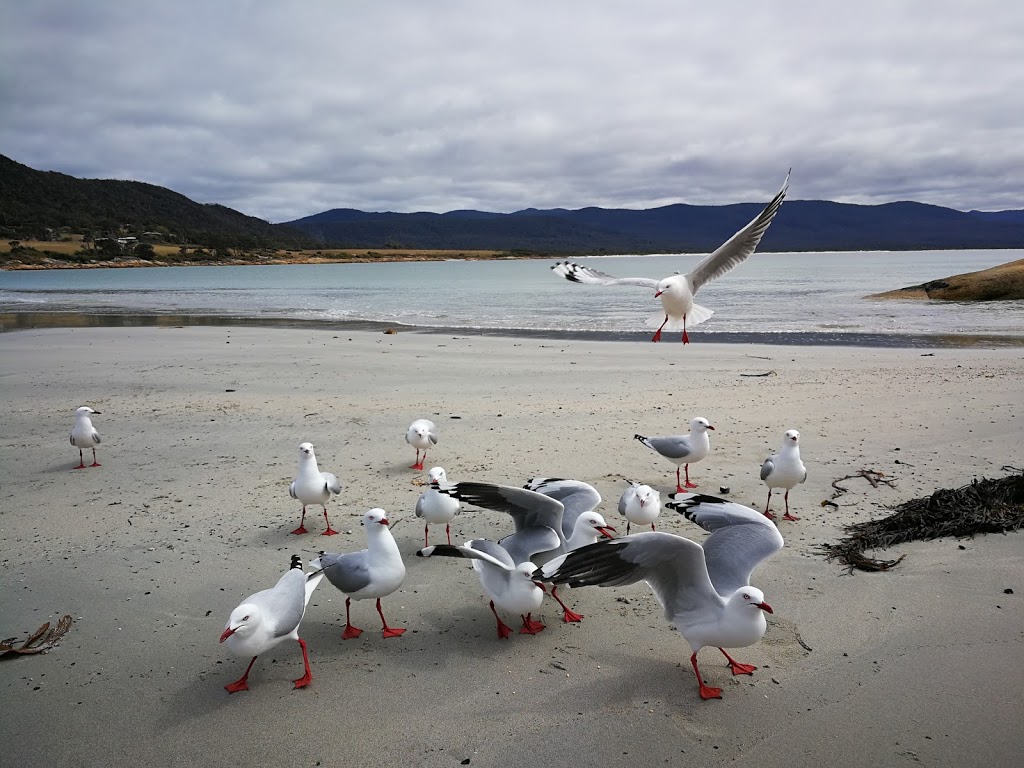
x,y
284,109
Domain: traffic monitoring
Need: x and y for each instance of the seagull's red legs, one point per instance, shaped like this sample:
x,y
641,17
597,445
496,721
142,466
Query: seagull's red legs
x,y
567,614
788,516
504,630
530,627
706,691
388,631
307,678
736,667
240,684
657,334
302,522
330,531
350,631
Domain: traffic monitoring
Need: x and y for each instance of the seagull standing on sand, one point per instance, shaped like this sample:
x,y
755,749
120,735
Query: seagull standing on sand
x,y
84,435
704,588
374,572
311,486
682,449
268,618
784,470
436,507
551,516
640,504
422,434
509,585
676,292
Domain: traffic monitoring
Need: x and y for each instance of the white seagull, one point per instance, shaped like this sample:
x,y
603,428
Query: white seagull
x,y
704,588
84,435
436,507
784,470
422,434
509,585
683,449
676,292
311,486
640,504
551,516
268,618
374,572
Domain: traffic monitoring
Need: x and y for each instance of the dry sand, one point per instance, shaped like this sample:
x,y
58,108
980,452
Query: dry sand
x,y
190,513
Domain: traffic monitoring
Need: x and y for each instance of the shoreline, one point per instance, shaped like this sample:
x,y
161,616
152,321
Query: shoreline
x,y
24,321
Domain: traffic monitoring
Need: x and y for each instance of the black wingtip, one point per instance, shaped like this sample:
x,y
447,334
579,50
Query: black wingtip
x,y
296,562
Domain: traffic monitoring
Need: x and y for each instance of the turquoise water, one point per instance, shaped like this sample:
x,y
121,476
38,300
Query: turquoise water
x,y
770,293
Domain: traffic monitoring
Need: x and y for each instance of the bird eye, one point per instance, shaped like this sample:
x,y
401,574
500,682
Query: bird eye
x,y
746,597
245,618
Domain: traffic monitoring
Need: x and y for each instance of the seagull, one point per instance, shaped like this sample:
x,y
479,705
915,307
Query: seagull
x,y
436,507
640,504
509,585
270,617
704,588
683,449
374,572
311,486
422,434
84,435
551,516
784,470
676,292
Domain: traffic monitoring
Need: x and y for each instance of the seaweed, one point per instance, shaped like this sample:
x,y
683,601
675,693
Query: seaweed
x,y
983,506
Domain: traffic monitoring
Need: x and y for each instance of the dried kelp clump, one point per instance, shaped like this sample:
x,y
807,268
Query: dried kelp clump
x,y
984,506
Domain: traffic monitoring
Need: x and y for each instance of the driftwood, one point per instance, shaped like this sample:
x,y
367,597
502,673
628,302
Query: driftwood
x,y
758,375
984,506
871,475
43,639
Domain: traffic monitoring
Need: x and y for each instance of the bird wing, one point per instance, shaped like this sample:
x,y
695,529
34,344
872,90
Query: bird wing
x,y
627,496
432,432
477,549
96,437
419,505
672,566
738,247
577,273
529,542
332,482
71,438
284,603
741,538
673,447
528,509
576,496
291,490
348,571
768,467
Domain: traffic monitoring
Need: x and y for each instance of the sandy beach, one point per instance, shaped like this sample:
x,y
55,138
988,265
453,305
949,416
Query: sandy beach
x,y
190,513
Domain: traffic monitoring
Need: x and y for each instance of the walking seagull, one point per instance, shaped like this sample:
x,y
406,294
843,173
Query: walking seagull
x,y
268,618
676,292
682,449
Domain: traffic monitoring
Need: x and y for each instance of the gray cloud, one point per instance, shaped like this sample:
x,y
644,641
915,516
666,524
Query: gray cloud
x,y
283,110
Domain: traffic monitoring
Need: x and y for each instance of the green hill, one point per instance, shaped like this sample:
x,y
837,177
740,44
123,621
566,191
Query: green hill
x,y
39,204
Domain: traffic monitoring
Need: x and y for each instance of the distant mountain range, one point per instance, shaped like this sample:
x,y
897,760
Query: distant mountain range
x,y
32,201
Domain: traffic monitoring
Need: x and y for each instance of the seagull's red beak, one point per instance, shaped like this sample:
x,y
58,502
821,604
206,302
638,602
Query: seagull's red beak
x,y
542,588
658,293
711,428
384,521
765,607
604,531
226,634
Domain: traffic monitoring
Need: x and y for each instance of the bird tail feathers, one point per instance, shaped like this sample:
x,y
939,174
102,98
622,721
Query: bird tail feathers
x,y
695,316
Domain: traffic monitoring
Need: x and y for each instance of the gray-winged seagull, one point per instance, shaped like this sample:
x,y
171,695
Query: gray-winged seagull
x,y
682,449
704,588
784,470
311,486
84,435
421,435
270,617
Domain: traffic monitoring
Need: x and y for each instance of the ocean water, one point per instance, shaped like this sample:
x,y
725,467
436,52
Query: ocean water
x,y
819,295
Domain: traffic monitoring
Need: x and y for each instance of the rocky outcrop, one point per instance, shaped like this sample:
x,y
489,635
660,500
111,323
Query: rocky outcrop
x,y
1002,283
